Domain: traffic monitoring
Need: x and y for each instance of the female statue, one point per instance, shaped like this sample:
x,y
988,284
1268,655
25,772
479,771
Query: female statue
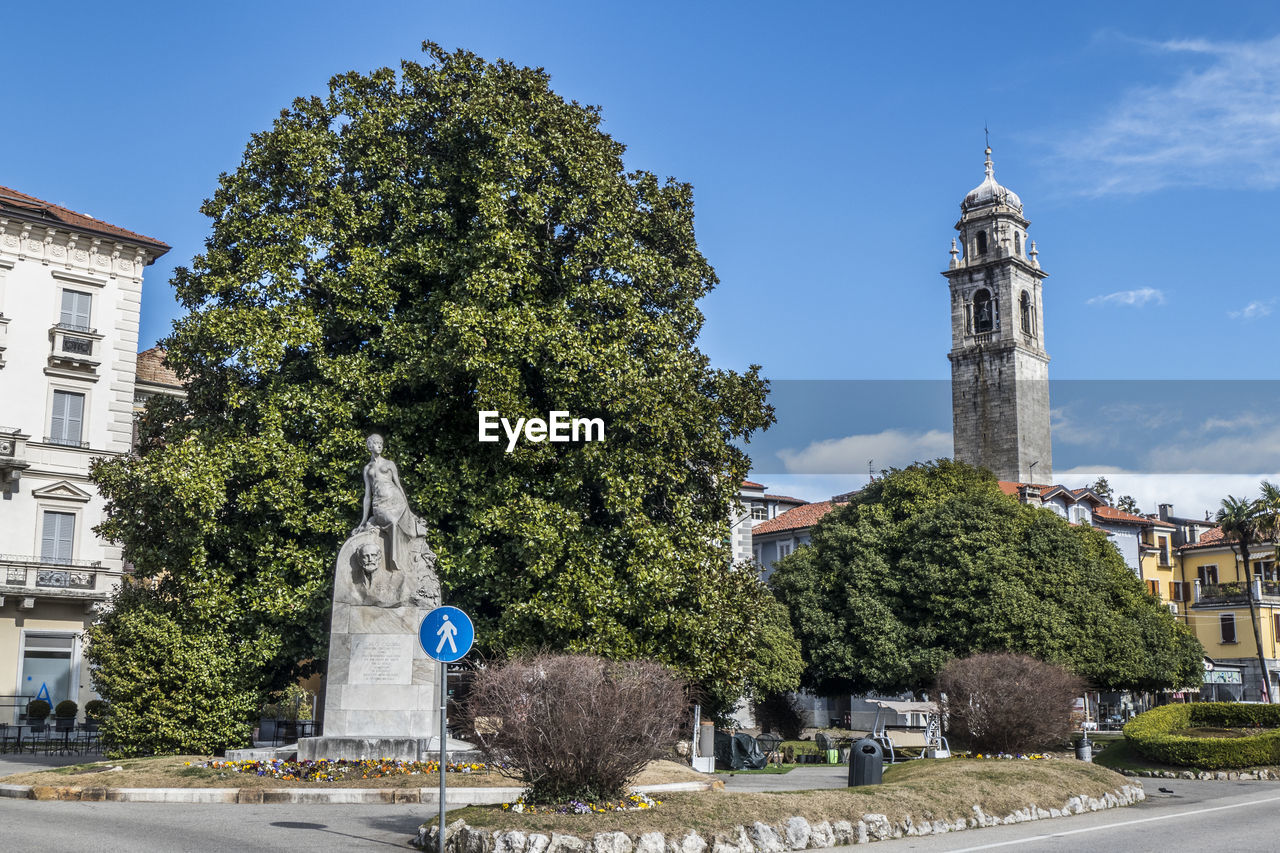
x,y
386,509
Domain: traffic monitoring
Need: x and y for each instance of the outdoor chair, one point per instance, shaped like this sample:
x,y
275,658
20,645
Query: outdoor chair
x,y
10,738
88,737
61,739
38,737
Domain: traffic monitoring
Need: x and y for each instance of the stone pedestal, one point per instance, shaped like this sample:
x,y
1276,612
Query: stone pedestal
x,y
382,694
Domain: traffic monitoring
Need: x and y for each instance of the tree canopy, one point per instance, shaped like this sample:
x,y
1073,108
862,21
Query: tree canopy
x,y
408,251
934,562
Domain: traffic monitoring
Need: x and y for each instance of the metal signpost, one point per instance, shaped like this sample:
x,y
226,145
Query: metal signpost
x,y
446,635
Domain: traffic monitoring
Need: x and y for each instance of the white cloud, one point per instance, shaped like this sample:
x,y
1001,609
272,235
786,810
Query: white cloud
x,y
849,455
1136,298
1217,124
1252,311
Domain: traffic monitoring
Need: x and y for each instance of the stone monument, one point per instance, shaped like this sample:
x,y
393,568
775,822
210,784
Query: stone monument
x,y
381,691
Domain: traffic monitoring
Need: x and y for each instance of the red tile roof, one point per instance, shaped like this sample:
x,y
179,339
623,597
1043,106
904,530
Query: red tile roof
x,y
1210,539
32,208
747,484
785,500
797,518
1110,513
1010,488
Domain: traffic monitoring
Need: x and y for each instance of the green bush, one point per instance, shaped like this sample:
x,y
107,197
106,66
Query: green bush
x,y
95,710
1155,735
37,709
66,708
174,687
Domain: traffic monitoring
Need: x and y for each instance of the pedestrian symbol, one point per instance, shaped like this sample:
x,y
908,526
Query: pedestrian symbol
x,y
446,634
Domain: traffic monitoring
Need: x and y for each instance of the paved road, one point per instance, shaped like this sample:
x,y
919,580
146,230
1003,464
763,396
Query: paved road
x,y
1242,817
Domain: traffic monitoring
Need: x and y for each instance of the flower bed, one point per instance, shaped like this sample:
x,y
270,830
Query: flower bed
x,y
1156,735
629,803
335,771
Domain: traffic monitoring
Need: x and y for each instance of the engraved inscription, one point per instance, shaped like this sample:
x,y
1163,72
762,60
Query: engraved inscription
x,y
381,659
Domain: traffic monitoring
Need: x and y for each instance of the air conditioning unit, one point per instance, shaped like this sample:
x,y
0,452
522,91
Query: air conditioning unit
x,y
1173,607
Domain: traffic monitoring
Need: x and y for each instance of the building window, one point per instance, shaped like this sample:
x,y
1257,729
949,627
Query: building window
x,y
984,311
1153,587
982,242
784,548
1164,550
1017,244
759,512
1228,622
1265,569
1207,574
47,663
1026,312
1178,591
57,538
75,310
67,423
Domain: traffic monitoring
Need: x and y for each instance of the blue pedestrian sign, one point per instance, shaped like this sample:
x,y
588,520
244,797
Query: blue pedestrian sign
x,y
446,634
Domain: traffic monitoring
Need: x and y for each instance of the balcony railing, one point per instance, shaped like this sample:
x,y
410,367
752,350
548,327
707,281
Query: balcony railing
x,y
73,348
1235,592
65,442
30,572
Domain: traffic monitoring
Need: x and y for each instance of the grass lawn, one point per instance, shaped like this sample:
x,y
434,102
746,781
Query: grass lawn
x,y
930,790
178,771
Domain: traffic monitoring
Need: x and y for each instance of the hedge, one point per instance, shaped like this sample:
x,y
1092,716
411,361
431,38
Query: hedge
x,y
1155,735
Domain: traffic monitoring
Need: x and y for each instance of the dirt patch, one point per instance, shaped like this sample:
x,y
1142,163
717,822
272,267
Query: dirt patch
x,y
930,790
182,771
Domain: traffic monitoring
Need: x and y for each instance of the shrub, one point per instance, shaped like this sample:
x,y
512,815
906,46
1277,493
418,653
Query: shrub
x,y
575,726
173,688
37,709
66,708
1155,734
95,710
1006,702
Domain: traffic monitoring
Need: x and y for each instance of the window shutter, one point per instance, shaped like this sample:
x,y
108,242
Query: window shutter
x,y
75,416
68,417
75,308
57,536
1228,628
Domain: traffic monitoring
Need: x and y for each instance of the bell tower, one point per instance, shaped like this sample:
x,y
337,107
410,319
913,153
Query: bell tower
x,y
999,366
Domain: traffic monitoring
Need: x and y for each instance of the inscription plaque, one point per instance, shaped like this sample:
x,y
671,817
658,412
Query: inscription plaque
x,y
381,659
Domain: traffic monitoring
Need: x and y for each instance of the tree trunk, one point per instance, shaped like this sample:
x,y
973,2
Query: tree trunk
x,y
1253,618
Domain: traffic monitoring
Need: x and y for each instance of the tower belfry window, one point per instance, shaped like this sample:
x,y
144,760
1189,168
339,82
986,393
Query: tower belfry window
x,y
1026,313
984,310
1017,244
982,242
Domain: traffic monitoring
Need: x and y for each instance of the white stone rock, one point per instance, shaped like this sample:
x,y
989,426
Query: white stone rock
x,y
511,841
651,842
878,826
568,844
743,840
765,838
692,842
861,828
1041,814
821,835
1055,812
538,843
610,842
843,832
940,827
796,832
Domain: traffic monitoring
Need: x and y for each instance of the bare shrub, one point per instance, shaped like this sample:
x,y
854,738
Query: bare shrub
x,y
1005,702
575,726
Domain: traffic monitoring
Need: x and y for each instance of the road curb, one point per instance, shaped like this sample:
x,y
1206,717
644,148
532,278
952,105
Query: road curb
x,y
301,796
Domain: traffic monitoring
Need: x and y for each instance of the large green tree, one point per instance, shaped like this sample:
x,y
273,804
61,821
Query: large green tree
x,y
408,251
933,562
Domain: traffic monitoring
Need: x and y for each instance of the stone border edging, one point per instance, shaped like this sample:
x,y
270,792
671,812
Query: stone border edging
x,y
795,833
299,796
1208,775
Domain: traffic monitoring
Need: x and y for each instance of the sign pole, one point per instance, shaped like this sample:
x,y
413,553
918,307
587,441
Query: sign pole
x,y
444,713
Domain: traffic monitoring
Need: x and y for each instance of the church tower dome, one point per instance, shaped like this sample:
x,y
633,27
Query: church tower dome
x,y
990,193
999,365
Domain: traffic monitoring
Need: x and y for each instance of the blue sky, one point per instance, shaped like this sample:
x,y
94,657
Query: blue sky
x,y
829,145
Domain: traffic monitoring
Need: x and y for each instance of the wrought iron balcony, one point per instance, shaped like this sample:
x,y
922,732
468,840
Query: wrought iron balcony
x,y
60,577
1218,594
75,348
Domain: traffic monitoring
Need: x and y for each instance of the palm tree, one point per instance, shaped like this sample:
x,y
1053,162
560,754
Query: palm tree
x,y
1239,520
1269,516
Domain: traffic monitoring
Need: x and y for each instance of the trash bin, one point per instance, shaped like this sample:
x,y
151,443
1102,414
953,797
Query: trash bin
x,y
1084,749
866,763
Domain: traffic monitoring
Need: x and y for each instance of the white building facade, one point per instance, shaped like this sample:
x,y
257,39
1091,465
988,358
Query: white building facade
x,y
70,298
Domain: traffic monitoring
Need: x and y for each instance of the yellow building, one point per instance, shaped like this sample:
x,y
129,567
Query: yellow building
x,y
1212,598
